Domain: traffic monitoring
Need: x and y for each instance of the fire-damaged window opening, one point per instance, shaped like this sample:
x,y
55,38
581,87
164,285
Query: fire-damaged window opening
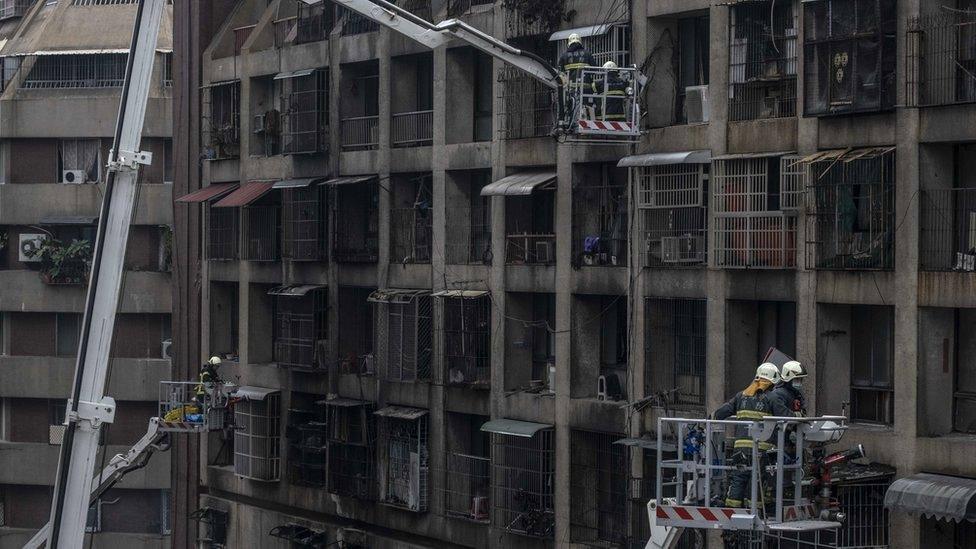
x,y
403,457
305,214
351,447
849,56
261,224
257,434
523,477
315,21
467,337
467,468
690,62
95,70
872,364
265,100
599,473
356,332
305,112
404,330
754,200
762,60
530,226
529,108
301,327
675,350
306,434
411,219
468,230
412,118
355,222
851,221
299,535
673,204
222,112
941,67
223,233
600,216
215,525
947,237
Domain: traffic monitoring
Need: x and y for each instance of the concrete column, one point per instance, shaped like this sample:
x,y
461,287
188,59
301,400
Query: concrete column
x,y
564,344
383,158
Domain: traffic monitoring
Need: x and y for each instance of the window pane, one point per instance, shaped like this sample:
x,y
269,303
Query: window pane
x,y
68,331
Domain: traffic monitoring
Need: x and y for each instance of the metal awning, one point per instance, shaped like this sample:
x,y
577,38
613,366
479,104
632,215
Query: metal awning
x,y
524,429
351,179
388,295
100,51
401,412
592,30
664,159
342,402
293,74
69,220
209,193
746,156
295,290
247,194
940,496
297,183
254,393
470,294
221,83
845,155
647,443
521,184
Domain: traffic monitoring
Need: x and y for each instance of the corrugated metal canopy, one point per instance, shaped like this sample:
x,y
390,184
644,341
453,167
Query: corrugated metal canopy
x,y
297,183
342,402
940,496
351,179
401,412
521,183
743,156
293,74
247,194
592,30
460,293
664,159
845,155
387,295
206,194
524,429
295,290
69,220
646,443
221,83
254,393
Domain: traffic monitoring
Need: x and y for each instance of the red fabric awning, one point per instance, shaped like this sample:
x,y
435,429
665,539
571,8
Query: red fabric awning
x,y
247,194
208,193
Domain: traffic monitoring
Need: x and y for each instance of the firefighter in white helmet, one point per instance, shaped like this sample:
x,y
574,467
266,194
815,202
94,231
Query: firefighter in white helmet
x,y
571,64
615,89
208,376
789,391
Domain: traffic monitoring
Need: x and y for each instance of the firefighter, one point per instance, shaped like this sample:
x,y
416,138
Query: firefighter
x,y
616,91
752,403
571,64
789,391
208,375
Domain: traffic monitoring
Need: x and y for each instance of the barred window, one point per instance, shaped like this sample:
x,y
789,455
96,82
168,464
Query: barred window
x,y
762,60
102,70
301,326
404,457
351,439
672,201
675,349
223,115
599,474
404,336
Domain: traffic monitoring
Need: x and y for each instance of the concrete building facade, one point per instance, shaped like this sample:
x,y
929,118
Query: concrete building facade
x,y
64,65
464,331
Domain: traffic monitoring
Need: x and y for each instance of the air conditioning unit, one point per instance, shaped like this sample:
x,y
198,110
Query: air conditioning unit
x,y
30,243
696,104
167,351
682,249
74,177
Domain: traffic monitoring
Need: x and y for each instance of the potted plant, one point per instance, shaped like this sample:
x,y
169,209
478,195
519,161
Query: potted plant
x,y
64,263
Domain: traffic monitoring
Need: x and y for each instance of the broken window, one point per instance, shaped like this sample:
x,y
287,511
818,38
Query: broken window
x,y
223,120
600,215
467,337
315,21
762,60
355,221
675,350
257,435
468,468
599,473
306,434
673,205
404,333
305,112
411,219
223,233
301,326
523,477
872,364
101,70
215,525
305,222
691,64
852,217
351,439
403,457
753,328
849,56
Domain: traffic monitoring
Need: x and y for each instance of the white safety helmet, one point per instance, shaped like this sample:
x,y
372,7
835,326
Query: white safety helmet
x,y
575,39
793,370
768,371
214,361
609,65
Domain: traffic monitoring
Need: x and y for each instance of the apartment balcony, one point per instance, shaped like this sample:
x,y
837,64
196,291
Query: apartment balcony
x,y
145,292
413,129
755,240
530,249
36,463
948,230
51,377
361,133
28,204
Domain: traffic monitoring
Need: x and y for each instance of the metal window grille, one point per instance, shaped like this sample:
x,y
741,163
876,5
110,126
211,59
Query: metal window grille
x,y
941,58
613,45
469,226
354,23
849,56
301,323
405,331
355,223
467,340
599,471
102,70
315,22
262,231
411,230
305,223
14,8
413,129
285,29
948,230
675,349
223,226
752,228
405,462
530,239
257,452
872,364
168,70
523,483
672,201
456,8
360,133
351,440
762,60
355,332
851,222
600,222
305,114
467,483
102,2
241,34
529,107
867,522
223,127
307,449
215,525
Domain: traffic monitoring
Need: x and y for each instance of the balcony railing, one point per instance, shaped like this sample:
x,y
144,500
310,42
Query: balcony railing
x,y
411,235
529,106
531,249
413,129
14,8
283,28
941,59
357,24
948,235
456,8
360,133
261,233
600,238
241,34
467,487
755,240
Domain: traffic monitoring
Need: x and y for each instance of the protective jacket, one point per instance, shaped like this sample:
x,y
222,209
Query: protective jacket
x,y
615,88
751,405
790,397
573,60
